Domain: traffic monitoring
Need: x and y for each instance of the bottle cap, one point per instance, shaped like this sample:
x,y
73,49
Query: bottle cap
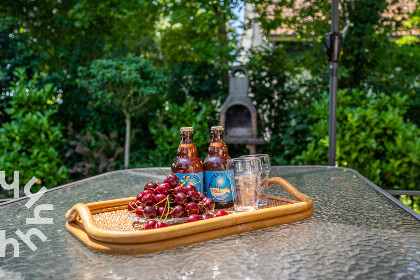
x,y
187,129
220,128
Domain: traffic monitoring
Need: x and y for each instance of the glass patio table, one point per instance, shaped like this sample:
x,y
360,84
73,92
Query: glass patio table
x,y
357,231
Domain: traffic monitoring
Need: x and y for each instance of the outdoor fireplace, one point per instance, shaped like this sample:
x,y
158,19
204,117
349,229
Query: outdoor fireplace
x,y
238,115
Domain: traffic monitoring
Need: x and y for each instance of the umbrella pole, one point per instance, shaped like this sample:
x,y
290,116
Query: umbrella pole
x,y
335,44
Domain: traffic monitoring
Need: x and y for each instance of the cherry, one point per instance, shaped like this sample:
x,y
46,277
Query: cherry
x,y
193,218
193,196
160,199
160,225
221,213
177,212
150,224
208,203
172,180
201,208
190,188
139,211
162,212
179,189
163,188
147,191
191,208
148,199
139,196
206,216
202,196
132,206
181,199
150,186
149,212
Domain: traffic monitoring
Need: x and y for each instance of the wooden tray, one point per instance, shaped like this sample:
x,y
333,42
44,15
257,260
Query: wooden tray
x,y
80,222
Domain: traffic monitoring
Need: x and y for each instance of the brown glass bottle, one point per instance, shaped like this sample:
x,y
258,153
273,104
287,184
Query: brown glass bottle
x,y
187,165
217,183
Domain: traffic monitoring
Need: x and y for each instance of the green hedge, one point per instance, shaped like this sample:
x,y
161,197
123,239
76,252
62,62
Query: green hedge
x,y
31,141
372,137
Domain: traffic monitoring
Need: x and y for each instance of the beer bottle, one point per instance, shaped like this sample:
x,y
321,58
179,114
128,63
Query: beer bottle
x,y
187,166
217,183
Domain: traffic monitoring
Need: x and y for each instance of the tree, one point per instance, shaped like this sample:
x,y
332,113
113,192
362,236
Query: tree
x,y
200,32
126,83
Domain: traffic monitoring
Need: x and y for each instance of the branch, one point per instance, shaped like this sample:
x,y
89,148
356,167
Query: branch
x,y
145,100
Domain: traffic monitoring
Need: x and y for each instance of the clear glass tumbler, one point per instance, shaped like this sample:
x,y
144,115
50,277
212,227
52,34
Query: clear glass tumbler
x,y
244,174
265,174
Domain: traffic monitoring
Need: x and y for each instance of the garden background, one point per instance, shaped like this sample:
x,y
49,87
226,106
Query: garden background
x,y
76,76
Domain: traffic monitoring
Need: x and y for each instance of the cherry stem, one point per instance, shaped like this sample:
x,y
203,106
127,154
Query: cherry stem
x,y
185,180
167,212
166,204
163,172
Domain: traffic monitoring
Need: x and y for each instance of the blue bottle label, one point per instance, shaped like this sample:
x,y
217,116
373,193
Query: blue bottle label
x,y
218,186
195,179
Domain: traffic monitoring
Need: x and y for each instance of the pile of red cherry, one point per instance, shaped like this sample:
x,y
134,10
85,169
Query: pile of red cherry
x,y
171,199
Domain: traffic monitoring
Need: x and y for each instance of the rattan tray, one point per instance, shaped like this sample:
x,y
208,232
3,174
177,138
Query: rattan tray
x,y
105,227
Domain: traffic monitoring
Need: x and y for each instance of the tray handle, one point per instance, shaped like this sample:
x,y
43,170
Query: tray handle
x,y
82,211
291,189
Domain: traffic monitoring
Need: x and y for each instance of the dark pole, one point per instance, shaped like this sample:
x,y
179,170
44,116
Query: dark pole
x,y
334,44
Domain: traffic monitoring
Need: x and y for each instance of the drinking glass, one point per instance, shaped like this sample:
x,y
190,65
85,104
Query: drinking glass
x,y
244,174
265,174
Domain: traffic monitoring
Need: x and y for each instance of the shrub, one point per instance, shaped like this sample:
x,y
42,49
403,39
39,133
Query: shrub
x,y
93,154
411,201
31,141
372,137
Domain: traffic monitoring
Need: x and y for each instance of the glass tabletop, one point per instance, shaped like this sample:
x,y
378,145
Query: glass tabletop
x,y
355,232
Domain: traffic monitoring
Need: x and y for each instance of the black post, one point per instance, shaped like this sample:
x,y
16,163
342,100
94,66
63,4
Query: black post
x,y
333,51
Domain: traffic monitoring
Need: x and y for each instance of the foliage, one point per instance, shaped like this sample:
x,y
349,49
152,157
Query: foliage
x,y
199,31
92,154
15,52
69,33
167,122
412,201
201,81
31,141
372,137
127,83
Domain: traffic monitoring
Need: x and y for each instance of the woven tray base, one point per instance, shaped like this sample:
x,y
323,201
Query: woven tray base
x,y
120,221
106,227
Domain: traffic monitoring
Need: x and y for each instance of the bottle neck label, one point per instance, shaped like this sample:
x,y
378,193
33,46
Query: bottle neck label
x,y
218,186
195,179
